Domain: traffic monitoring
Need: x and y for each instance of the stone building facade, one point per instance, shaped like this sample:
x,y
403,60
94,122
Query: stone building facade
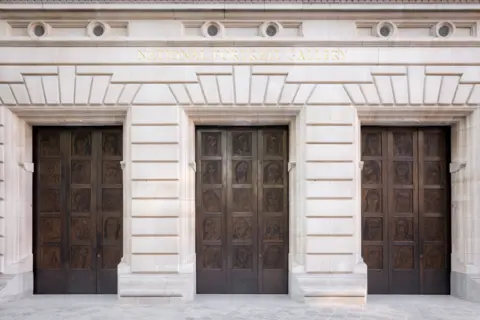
x,y
318,150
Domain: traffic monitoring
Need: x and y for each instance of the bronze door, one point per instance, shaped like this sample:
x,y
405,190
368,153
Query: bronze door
x,y
242,210
78,204
405,210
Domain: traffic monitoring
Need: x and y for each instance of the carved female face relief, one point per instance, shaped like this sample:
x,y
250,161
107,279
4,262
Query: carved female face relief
x,y
371,172
241,172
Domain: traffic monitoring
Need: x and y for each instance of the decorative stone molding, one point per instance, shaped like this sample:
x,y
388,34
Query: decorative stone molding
x,y
97,29
122,165
360,165
271,29
193,166
213,29
457,166
38,29
384,29
443,29
28,167
292,165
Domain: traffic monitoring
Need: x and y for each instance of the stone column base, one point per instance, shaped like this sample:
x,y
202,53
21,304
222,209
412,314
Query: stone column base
x,y
465,286
329,288
15,286
168,288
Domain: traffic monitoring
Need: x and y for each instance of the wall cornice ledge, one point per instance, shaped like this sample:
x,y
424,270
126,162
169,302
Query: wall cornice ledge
x,y
242,115
62,115
244,6
295,42
412,115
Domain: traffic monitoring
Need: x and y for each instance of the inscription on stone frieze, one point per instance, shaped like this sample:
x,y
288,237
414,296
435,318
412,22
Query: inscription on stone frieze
x,y
242,54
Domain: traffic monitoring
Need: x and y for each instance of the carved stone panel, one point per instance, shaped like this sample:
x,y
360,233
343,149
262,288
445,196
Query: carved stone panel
x,y
111,256
434,173
372,200
50,171
49,144
80,257
434,144
403,144
434,201
112,172
273,172
242,143
273,257
112,229
212,257
211,172
372,172
211,143
434,257
81,143
403,258
242,172
273,228
112,144
403,200
372,144
81,171
242,228
112,199
434,229
81,229
403,172
373,229
49,201
273,200
273,144
211,200
212,228
50,229
242,199
373,256
81,200
242,257
403,230
50,258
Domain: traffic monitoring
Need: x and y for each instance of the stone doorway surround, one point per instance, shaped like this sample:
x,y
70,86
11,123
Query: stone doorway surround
x,y
159,106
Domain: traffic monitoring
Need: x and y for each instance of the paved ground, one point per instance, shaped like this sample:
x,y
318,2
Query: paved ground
x,y
238,308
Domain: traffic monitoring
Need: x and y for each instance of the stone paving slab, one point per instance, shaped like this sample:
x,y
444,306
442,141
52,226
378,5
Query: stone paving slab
x,y
238,307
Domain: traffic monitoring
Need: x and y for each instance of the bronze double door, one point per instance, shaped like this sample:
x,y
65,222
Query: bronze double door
x,y
242,210
77,209
406,210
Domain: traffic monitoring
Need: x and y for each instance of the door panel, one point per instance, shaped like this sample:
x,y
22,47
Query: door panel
x,y
273,208
236,229
403,211
72,198
412,218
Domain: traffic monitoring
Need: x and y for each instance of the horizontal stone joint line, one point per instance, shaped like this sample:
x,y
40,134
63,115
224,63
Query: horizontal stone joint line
x,y
326,217
329,143
329,198
330,235
155,198
154,254
340,124
154,142
155,161
329,179
328,161
169,124
329,254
